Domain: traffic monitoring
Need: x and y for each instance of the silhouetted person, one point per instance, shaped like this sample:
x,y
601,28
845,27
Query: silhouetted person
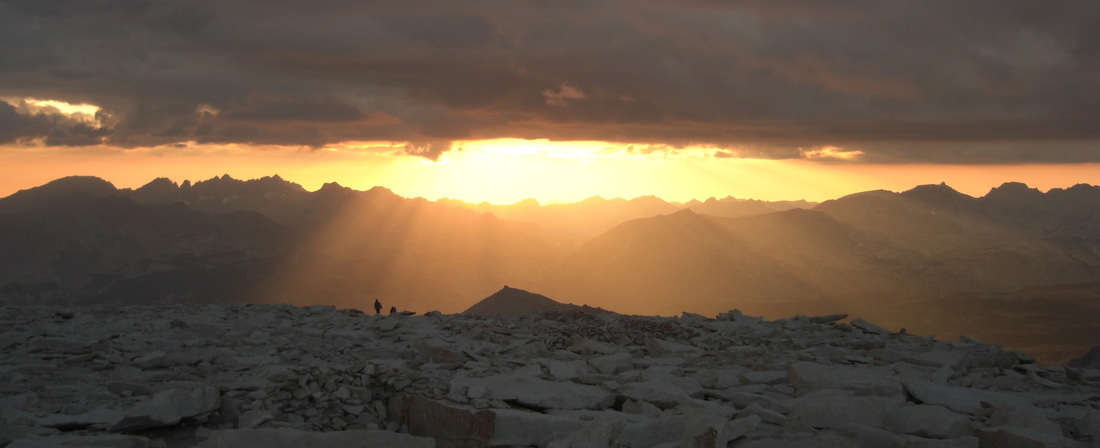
x,y
393,310
377,307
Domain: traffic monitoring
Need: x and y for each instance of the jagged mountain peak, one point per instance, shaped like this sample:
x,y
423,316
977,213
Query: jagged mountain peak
x,y
332,186
648,200
928,190
161,182
266,182
1012,191
158,186
938,196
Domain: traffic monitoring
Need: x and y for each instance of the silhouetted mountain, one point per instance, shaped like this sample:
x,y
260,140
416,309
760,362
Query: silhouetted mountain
x,y
929,240
48,196
576,222
902,258
278,199
79,247
412,251
667,264
1069,218
80,240
731,207
512,302
959,243
939,197
924,256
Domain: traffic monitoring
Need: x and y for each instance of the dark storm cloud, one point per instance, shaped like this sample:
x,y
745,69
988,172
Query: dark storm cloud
x,y
971,82
54,128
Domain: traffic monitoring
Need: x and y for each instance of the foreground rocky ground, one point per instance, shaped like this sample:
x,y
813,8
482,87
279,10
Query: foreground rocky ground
x,y
280,376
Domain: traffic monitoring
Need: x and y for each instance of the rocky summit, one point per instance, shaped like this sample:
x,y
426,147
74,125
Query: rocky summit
x,y
283,376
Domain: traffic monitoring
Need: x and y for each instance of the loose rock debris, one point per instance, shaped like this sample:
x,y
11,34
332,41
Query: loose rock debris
x,y
282,376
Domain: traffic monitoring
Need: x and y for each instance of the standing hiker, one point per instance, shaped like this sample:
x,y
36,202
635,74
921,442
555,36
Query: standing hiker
x,y
377,307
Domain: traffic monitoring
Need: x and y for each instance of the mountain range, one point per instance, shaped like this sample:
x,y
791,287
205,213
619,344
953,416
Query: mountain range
x,y
1016,264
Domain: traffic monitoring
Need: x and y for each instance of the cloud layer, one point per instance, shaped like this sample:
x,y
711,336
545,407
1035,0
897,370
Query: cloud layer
x,y
895,81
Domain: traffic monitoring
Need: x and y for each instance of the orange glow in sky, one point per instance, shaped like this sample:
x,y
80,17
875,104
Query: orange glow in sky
x,y
506,171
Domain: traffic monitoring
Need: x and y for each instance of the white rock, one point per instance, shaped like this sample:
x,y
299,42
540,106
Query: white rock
x,y
809,377
824,439
520,428
837,408
151,360
770,377
168,407
613,363
1028,417
18,401
641,407
929,421
961,442
661,347
97,416
587,346
958,399
539,393
1010,437
68,346
673,428
866,436
941,356
735,429
448,423
722,377
561,370
663,393
867,326
476,391
596,435
90,441
291,438
254,418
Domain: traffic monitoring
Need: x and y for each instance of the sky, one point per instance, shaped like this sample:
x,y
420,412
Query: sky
x,y
500,100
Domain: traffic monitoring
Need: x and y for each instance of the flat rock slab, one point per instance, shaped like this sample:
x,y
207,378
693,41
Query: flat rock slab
x,y
168,407
539,393
278,375
808,377
292,438
929,421
91,441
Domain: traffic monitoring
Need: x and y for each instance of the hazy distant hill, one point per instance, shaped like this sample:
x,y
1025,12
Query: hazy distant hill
x,y
71,241
731,207
576,222
930,258
957,243
684,261
580,221
80,239
931,239
420,254
1017,266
